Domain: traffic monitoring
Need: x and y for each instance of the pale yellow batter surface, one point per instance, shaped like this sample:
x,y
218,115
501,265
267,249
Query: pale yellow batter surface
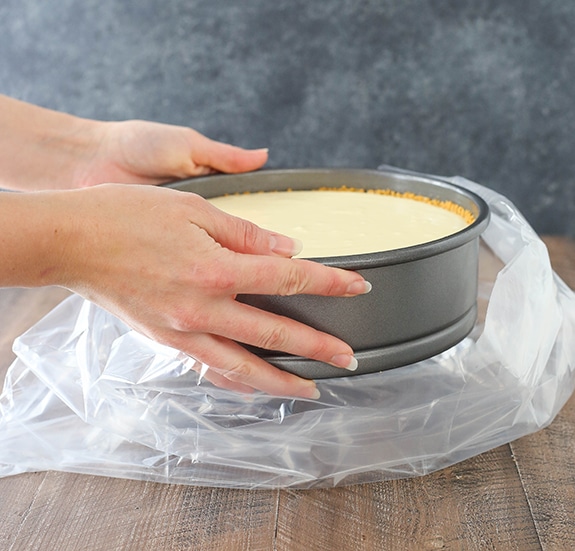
x,y
339,223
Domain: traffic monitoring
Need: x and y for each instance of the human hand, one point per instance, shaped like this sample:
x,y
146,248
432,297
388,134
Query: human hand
x,y
151,153
45,149
170,265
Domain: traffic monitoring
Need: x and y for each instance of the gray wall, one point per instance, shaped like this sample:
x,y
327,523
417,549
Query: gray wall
x,y
483,89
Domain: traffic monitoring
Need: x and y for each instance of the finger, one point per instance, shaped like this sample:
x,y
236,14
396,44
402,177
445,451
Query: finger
x,y
224,157
221,382
239,366
242,236
266,275
250,325
254,272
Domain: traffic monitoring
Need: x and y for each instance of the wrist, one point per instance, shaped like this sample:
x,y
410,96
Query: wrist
x,y
41,148
38,232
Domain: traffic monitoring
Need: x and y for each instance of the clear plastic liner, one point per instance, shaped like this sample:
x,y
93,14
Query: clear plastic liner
x,y
87,394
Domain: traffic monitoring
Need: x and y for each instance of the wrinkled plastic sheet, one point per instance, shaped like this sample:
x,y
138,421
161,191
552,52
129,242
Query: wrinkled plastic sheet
x,y
87,394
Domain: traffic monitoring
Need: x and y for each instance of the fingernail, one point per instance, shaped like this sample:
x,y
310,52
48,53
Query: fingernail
x,y
309,392
264,149
347,361
315,394
285,246
359,288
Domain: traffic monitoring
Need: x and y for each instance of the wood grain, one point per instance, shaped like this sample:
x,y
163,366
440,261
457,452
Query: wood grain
x,y
73,512
516,497
478,504
546,465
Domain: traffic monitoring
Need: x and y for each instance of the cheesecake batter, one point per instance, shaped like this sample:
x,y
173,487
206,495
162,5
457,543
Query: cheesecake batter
x,y
341,223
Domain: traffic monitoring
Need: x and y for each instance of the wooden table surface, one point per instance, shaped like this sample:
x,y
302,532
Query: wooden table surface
x,y
518,496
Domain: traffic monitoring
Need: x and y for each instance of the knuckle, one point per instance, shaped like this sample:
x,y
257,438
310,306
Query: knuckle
x,y
333,284
239,372
191,321
319,350
250,235
222,282
294,282
214,279
275,338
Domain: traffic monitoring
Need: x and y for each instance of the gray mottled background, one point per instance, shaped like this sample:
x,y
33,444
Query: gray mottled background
x,y
482,89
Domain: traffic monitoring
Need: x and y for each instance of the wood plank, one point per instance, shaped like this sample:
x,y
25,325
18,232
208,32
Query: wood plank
x,y
18,494
221,519
547,469
476,505
72,512
545,459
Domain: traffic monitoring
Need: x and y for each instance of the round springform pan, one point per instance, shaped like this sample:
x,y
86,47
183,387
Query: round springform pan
x,y
423,299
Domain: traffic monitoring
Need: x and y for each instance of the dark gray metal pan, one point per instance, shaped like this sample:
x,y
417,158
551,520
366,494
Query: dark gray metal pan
x,y
423,299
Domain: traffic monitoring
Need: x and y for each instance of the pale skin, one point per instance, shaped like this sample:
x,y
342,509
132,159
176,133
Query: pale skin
x,y
166,262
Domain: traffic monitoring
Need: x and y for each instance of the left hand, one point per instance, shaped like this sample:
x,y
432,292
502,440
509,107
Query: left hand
x,y
42,149
144,152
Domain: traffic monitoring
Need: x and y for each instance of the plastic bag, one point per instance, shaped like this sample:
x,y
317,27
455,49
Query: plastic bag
x,y
87,394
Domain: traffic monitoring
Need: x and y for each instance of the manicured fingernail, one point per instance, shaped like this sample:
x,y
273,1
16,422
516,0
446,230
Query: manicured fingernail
x,y
347,361
310,392
359,288
315,394
262,149
285,246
